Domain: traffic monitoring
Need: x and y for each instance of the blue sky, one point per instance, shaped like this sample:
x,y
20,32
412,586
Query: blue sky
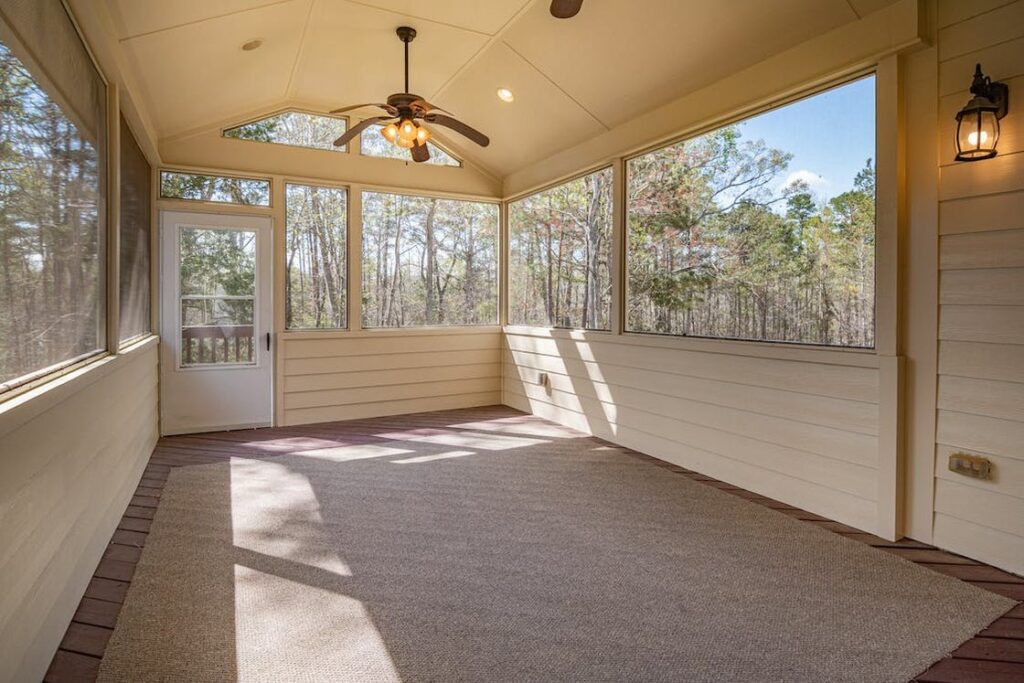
x,y
830,135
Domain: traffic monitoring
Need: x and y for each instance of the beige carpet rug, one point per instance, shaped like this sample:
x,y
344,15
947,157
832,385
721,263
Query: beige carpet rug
x,y
511,550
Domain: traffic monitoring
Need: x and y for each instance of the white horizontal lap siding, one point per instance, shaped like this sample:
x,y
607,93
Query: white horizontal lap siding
x,y
981,296
341,377
801,432
89,447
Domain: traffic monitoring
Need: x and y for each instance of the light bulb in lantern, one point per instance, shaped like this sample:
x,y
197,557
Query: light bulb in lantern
x,y
390,132
407,130
422,135
972,138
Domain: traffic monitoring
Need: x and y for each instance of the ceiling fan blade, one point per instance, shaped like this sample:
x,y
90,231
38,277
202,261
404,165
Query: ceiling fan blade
x,y
427,106
386,107
564,9
420,153
359,128
459,127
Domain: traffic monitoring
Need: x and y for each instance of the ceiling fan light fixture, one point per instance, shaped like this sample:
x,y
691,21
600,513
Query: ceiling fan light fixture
x,y
407,130
505,95
422,135
390,132
406,144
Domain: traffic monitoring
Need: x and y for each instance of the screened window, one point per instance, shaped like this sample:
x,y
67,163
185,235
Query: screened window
x,y
294,128
373,144
134,237
761,230
560,255
315,257
211,188
52,184
428,261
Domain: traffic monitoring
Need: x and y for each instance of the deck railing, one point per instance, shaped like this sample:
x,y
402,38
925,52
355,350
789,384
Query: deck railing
x,y
205,344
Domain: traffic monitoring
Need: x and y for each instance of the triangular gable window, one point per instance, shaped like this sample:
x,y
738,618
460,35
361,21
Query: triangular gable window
x,y
295,128
373,144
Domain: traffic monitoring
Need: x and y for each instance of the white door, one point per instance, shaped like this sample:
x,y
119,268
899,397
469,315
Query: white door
x,y
216,313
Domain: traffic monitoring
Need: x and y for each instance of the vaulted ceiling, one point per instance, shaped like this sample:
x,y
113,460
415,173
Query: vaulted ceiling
x,y
571,78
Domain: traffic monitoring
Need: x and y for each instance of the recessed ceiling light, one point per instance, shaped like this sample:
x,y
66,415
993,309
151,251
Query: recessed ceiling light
x,y
505,95
252,45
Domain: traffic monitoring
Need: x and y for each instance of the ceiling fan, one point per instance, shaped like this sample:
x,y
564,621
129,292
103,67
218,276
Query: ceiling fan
x,y
404,112
565,9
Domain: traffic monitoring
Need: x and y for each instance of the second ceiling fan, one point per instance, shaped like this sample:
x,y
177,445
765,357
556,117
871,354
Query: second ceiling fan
x,y
404,112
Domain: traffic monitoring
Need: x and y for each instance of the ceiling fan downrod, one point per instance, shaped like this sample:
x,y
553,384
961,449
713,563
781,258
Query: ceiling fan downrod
x,y
406,35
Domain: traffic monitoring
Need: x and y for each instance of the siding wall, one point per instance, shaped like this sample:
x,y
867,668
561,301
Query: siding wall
x,y
326,377
981,293
69,462
798,425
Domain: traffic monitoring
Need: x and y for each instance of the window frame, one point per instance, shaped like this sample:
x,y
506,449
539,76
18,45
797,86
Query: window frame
x,y
108,251
345,149
734,117
613,246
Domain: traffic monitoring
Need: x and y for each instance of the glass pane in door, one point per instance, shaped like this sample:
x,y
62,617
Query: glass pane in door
x,y
217,296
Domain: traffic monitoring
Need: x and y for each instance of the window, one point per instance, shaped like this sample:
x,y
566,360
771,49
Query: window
x,y
52,195
218,296
294,128
316,227
134,238
428,261
373,144
559,255
761,230
212,188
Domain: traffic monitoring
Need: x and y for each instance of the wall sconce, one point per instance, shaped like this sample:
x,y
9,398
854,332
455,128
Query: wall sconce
x,y
977,124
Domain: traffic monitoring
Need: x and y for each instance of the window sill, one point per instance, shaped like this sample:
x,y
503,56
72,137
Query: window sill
x,y
805,353
296,335
19,408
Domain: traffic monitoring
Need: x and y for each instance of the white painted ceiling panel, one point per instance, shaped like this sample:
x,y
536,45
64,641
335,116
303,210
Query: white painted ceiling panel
x,y
541,119
619,58
352,55
198,73
135,17
483,16
571,78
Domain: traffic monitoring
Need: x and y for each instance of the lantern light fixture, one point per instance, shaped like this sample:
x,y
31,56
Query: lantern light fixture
x,y
977,124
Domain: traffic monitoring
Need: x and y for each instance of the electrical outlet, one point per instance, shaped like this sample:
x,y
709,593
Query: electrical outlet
x,y
970,465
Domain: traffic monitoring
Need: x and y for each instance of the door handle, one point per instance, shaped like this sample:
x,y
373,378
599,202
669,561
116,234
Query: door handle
x,y
268,341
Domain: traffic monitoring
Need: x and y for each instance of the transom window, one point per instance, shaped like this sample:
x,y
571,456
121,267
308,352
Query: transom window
x,y
213,188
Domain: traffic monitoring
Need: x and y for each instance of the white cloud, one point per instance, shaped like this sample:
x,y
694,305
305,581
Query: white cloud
x,y
810,178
